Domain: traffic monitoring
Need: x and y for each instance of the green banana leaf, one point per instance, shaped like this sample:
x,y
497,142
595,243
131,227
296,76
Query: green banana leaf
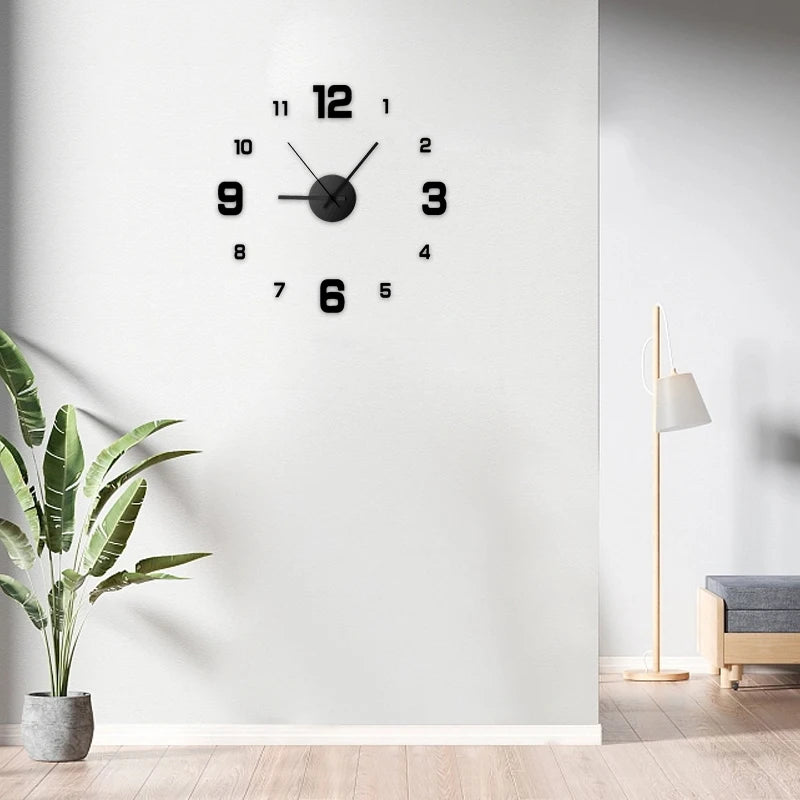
x,y
26,598
109,538
18,378
55,599
72,580
18,480
63,466
99,468
41,521
157,563
16,543
23,469
104,495
120,580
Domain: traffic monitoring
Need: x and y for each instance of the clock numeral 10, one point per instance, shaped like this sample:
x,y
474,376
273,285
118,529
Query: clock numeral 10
x,y
436,191
231,198
334,105
243,146
281,108
331,296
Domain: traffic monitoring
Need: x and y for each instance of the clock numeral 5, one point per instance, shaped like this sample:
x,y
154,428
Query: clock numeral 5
x,y
231,198
333,106
386,290
436,191
331,296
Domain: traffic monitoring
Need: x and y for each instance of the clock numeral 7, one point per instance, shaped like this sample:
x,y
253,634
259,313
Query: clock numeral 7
x,y
333,105
331,296
436,191
231,198
281,286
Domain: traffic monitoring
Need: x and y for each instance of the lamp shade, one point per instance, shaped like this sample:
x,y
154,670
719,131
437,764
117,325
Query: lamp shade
x,y
678,403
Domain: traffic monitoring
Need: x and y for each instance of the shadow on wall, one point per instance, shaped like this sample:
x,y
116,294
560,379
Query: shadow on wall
x,y
7,623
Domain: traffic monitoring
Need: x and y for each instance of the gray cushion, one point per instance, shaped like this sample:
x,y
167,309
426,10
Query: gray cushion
x,y
756,592
783,621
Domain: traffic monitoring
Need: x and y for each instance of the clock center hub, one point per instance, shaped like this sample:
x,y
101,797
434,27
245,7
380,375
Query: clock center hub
x,y
321,203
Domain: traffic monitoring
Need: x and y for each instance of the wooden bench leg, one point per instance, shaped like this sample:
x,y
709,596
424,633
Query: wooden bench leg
x,y
736,672
725,677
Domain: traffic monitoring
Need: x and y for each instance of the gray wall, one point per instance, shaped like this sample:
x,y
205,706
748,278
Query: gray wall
x,y
700,190
402,500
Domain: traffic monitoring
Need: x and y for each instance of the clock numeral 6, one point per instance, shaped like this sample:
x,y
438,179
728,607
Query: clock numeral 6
x,y
331,296
333,105
436,191
425,252
386,290
239,252
424,145
231,198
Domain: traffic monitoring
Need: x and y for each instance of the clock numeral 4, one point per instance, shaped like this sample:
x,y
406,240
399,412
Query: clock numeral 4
x,y
333,106
239,252
281,286
281,108
231,198
331,296
436,192
425,252
424,145
243,146
386,290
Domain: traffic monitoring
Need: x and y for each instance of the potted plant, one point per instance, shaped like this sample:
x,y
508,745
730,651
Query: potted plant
x,y
75,559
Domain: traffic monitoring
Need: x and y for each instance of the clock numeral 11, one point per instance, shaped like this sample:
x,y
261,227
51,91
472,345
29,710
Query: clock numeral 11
x,y
281,108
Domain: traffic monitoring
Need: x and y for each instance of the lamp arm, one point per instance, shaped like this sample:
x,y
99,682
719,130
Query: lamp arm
x,y
644,377
669,341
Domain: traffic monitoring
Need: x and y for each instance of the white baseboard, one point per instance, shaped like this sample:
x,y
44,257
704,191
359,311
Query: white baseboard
x,y
135,734
611,664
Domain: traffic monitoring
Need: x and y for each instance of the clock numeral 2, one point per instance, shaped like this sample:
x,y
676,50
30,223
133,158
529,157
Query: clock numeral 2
x,y
436,191
243,146
331,296
231,198
424,145
281,106
333,105
425,252
239,252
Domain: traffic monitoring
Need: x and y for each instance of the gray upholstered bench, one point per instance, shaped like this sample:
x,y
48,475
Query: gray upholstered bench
x,y
748,619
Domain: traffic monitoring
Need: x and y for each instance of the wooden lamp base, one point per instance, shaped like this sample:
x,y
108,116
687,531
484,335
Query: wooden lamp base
x,y
651,675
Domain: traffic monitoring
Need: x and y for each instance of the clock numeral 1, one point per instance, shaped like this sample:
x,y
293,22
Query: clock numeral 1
x,y
436,191
281,106
385,105
331,296
333,105
239,252
243,146
231,198
281,286
386,290
424,145
425,252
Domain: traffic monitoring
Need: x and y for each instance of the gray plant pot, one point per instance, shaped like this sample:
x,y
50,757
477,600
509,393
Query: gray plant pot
x,y
57,728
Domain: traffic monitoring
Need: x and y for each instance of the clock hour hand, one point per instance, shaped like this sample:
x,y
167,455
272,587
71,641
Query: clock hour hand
x,y
315,177
353,172
304,196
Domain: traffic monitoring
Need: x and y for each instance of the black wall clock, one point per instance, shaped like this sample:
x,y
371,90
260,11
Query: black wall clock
x,y
328,197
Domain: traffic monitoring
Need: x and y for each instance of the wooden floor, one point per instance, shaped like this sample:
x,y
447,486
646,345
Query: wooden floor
x,y
673,741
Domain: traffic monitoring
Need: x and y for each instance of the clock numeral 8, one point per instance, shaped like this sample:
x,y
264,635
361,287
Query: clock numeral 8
x,y
239,252
331,296
436,191
231,198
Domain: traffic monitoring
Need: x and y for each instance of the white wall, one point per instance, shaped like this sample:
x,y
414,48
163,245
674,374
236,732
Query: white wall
x,y
402,499
699,196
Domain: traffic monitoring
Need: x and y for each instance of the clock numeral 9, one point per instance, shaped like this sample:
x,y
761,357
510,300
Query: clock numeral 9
x,y
231,198
424,145
331,296
333,105
436,191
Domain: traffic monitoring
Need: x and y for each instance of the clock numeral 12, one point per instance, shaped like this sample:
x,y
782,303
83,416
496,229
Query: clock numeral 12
x,y
436,191
231,198
281,105
333,105
331,296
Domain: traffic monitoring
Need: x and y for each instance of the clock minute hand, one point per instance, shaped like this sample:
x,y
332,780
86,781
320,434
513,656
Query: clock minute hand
x,y
353,172
315,177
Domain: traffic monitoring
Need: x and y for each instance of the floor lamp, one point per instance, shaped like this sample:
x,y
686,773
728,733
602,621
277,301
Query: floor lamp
x,y
677,405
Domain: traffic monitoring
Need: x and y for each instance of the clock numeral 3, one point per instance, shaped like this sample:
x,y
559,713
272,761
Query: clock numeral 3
x,y
243,146
281,106
425,252
424,145
231,198
386,290
334,105
436,191
331,296
239,252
